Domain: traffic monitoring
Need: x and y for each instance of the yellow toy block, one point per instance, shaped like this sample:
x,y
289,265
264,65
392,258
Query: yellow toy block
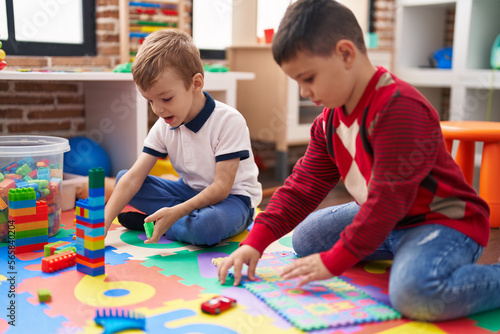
x,y
22,212
93,245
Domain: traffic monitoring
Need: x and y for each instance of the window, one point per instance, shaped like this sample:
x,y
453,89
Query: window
x,y
48,27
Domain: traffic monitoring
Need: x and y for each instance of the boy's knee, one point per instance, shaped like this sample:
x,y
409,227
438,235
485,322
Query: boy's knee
x,y
301,242
417,302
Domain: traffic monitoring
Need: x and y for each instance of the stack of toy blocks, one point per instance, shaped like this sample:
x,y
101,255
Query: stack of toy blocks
x,y
30,219
90,227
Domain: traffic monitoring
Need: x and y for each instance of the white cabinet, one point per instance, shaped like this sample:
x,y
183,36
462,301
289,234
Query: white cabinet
x,y
421,29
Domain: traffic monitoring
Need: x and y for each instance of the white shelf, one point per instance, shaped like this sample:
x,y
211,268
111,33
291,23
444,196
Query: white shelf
x,y
429,77
421,30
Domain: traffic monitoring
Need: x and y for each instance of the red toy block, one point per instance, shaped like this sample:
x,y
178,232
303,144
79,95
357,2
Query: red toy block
x,y
58,261
30,248
5,185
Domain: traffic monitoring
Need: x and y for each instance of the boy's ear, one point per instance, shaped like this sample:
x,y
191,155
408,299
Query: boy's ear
x,y
347,50
198,82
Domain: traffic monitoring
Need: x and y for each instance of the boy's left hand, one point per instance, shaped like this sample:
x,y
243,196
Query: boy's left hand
x,y
165,218
309,268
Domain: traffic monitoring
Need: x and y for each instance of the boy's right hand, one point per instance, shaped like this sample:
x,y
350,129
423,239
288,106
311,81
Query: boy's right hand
x,y
245,254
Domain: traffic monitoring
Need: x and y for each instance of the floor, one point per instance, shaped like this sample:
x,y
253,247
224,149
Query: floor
x,y
339,195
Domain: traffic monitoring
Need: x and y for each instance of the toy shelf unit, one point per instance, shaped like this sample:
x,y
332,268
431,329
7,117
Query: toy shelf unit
x,y
140,18
469,28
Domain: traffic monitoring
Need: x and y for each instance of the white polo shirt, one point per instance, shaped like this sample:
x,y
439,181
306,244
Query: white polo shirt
x,y
219,132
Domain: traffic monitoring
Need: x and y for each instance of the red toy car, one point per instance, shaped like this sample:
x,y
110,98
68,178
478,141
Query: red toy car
x,y
218,304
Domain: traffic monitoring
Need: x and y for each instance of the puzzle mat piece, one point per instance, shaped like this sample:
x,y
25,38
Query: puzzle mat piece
x,y
132,242
29,318
361,277
462,326
489,320
129,285
323,304
193,267
181,316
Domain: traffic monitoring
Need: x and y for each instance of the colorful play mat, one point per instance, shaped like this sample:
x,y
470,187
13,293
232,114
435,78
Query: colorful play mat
x,y
167,282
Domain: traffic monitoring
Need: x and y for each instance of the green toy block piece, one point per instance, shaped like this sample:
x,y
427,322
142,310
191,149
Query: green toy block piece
x,y
149,227
21,194
44,295
96,178
2,177
31,233
3,217
46,248
41,183
67,249
23,170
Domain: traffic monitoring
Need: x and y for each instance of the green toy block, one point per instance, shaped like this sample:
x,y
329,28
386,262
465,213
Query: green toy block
x,y
96,178
46,248
2,177
149,227
22,194
3,217
44,295
67,249
31,233
23,170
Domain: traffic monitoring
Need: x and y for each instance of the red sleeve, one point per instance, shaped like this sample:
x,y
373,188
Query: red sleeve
x,y
399,167
313,176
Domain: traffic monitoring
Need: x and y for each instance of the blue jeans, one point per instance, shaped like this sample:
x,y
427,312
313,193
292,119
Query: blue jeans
x,y
433,276
206,226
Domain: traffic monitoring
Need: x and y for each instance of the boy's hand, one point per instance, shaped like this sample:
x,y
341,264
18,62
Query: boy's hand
x,y
309,268
165,218
245,254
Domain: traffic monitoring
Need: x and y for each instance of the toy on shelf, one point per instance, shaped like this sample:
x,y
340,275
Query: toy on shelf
x,y
44,295
30,220
116,320
3,64
218,304
90,227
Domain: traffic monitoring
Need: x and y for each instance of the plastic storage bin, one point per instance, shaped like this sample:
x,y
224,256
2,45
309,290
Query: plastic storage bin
x,y
32,161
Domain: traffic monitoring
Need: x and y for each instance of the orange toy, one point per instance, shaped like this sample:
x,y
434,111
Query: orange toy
x,y
469,132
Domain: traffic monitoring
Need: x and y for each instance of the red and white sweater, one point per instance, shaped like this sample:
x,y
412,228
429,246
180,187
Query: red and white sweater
x,y
391,155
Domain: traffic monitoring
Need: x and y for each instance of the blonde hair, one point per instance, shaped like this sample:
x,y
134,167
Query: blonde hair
x,y
164,48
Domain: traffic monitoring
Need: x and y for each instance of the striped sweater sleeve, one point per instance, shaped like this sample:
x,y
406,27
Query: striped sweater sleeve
x,y
313,176
399,167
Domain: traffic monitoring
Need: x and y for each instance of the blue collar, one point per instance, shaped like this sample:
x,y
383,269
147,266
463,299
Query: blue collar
x,y
196,123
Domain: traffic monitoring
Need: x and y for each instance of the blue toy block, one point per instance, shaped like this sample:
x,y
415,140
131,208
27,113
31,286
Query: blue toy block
x,y
90,271
96,192
31,240
96,202
94,232
96,215
30,203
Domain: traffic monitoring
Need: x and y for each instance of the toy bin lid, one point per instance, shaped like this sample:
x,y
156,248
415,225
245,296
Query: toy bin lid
x,y
16,146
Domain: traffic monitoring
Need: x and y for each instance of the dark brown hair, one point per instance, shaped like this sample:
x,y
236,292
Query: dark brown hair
x,y
315,27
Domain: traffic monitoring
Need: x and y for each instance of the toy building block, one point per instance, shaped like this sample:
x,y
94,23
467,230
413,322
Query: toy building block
x,y
44,295
116,320
89,224
30,223
58,261
149,227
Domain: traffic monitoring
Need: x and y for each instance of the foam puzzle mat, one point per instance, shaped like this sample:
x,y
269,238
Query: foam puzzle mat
x,y
316,305
167,282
